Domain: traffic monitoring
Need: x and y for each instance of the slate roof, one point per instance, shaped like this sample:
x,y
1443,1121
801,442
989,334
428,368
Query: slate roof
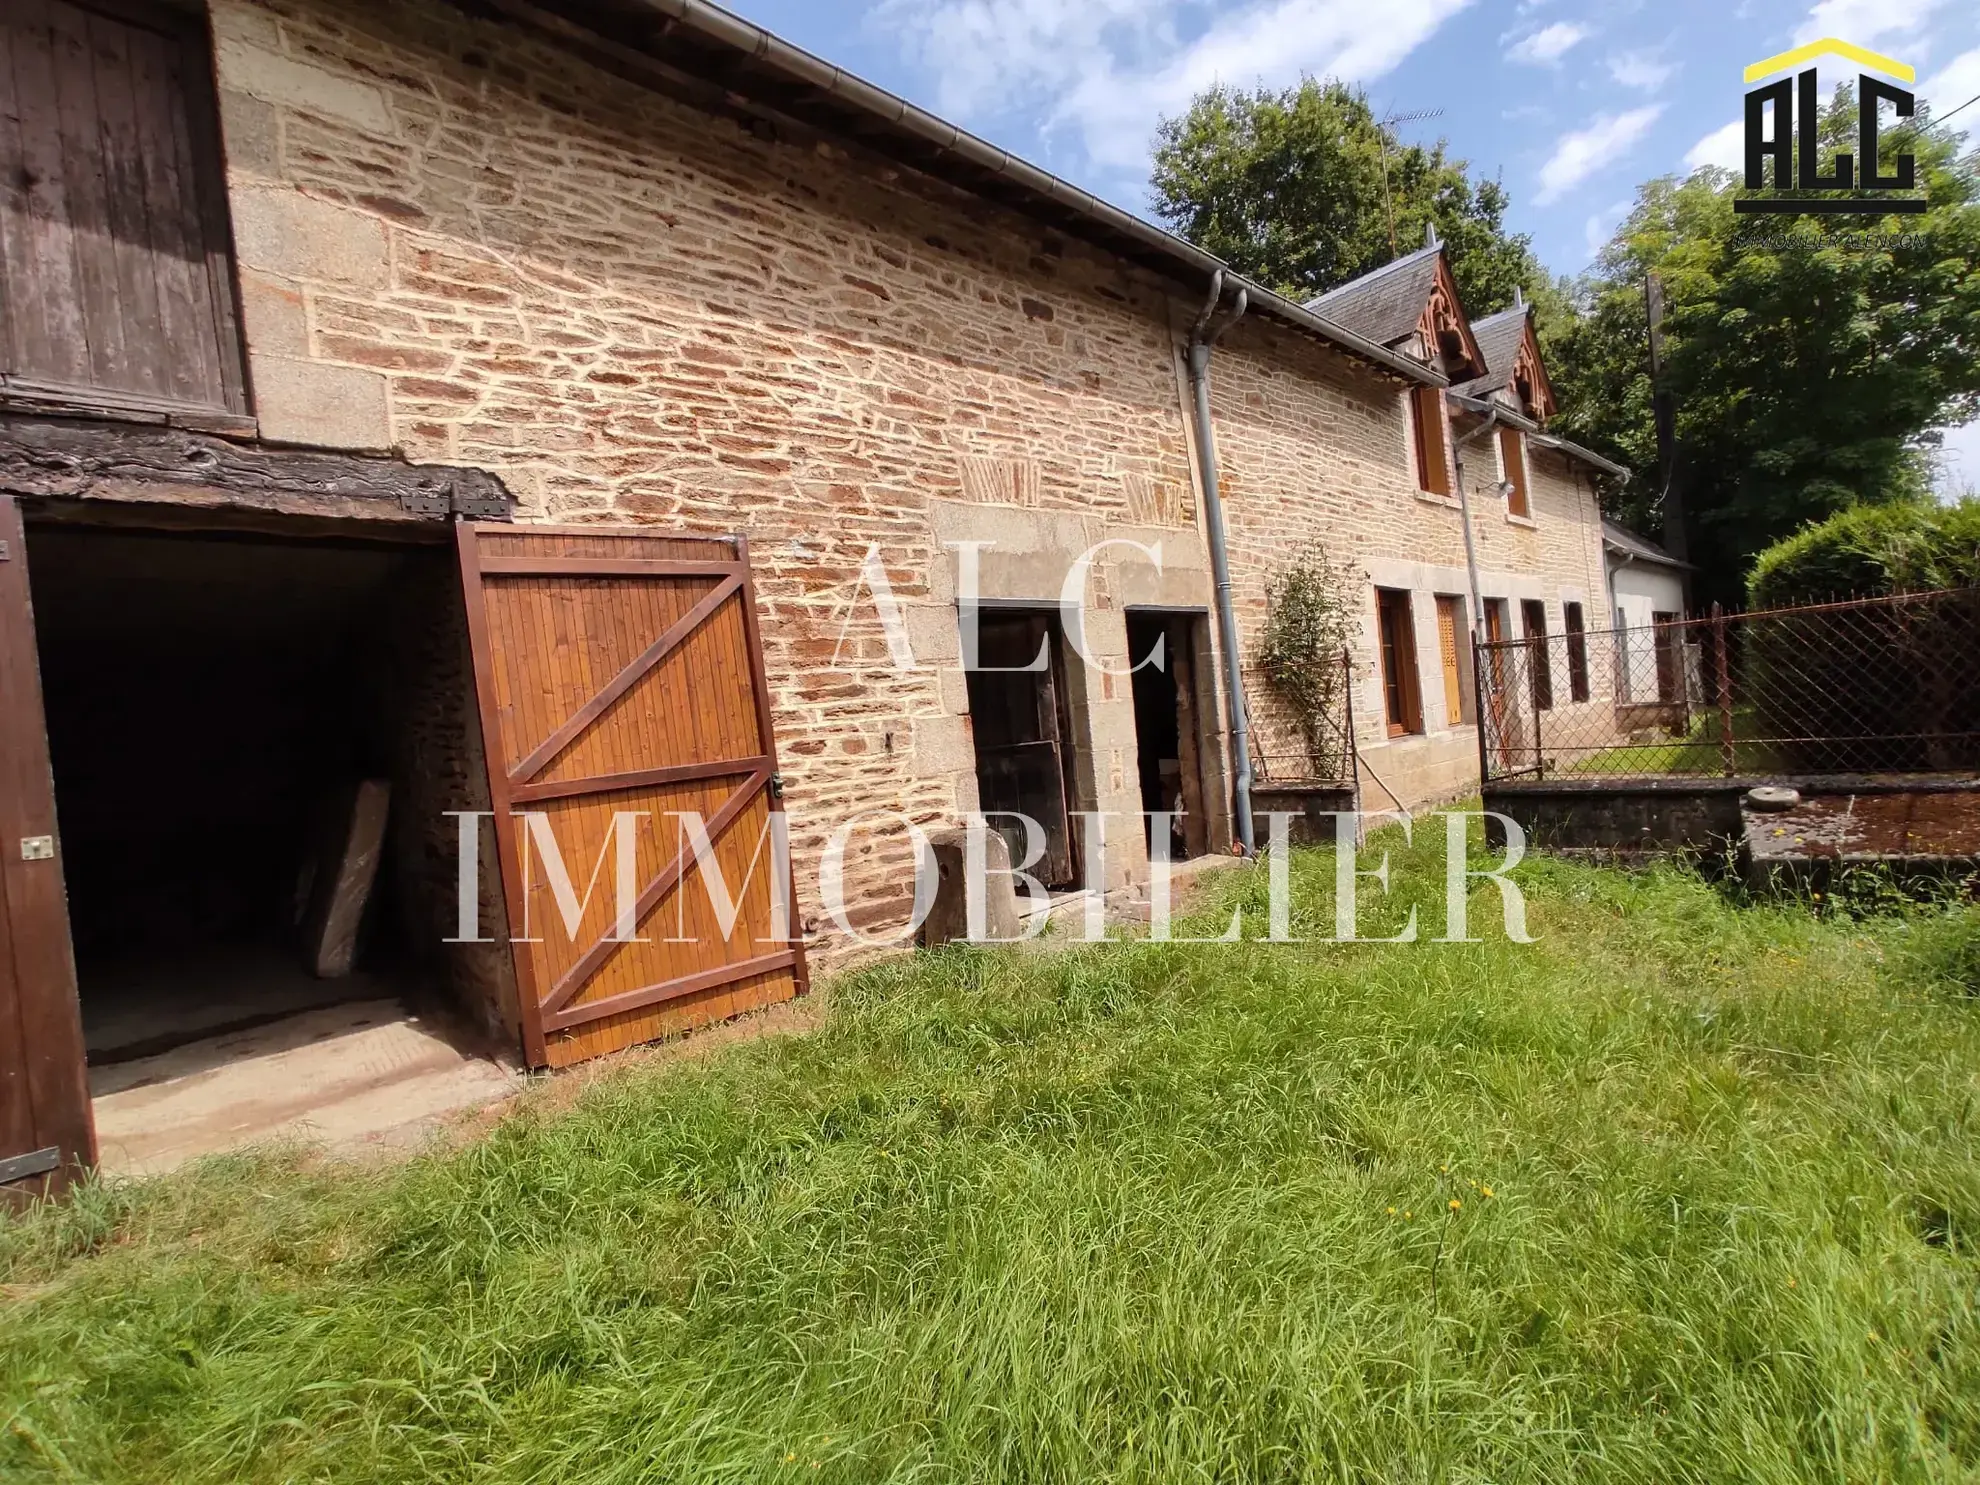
x,y
1498,337
1622,539
1384,304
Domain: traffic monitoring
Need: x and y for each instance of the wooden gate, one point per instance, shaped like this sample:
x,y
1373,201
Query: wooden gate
x,y
46,1135
620,674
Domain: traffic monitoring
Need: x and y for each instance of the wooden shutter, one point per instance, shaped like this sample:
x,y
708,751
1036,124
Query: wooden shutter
x,y
1447,647
1540,657
622,672
1512,451
1433,464
114,246
46,1134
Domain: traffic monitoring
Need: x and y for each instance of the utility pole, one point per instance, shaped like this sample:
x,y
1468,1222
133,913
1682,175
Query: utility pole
x,y
1664,411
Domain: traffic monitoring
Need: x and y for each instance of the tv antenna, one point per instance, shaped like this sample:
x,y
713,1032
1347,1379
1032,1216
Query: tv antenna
x,y
1382,128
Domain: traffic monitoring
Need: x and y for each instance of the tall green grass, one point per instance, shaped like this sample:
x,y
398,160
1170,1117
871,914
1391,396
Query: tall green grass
x,y
1685,1191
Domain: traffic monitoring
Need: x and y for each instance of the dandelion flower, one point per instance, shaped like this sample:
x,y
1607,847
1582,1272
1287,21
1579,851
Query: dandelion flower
x,y
1392,1211
1485,1191
1455,1203
1408,1215
790,1458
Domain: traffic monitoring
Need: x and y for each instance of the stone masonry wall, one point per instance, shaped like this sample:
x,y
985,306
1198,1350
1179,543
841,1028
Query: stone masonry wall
x,y
464,245
467,246
1314,448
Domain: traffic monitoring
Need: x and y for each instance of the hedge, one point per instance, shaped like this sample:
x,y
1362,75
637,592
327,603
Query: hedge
x,y
1869,550
1908,678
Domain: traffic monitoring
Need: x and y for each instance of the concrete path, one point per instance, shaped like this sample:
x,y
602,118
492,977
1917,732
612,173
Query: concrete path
x,y
361,1074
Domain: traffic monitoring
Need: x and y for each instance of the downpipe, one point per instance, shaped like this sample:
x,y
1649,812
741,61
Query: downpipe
x,y
1204,334
1464,518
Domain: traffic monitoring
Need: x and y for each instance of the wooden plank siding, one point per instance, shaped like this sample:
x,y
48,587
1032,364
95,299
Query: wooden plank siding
x,y
115,252
622,673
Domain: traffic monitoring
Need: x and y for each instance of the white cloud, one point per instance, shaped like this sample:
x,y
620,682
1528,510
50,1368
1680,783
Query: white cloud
x,y
1582,153
1865,22
1598,229
1724,147
1640,70
1548,45
1108,70
1951,86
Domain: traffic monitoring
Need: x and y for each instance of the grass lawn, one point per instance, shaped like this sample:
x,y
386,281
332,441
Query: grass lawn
x,y
1685,1191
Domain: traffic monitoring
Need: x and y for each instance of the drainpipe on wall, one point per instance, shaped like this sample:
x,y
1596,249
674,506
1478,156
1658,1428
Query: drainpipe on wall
x,y
1202,335
1464,518
1477,597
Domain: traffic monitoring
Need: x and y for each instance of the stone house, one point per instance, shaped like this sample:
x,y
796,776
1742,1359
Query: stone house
x,y
1477,454
602,406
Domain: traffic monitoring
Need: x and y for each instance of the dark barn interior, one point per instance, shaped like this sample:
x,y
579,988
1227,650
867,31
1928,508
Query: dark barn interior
x,y
214,702
1165,726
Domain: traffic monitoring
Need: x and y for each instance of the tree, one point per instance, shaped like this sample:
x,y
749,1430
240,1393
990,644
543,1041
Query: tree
x,y
1289,187
1812,358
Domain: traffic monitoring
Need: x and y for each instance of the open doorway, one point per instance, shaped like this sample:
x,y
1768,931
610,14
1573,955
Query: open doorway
x,y
254,743
1020,715
1165,649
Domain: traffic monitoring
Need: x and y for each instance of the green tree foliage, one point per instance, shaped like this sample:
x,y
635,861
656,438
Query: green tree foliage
x,y
1288,186
1811,358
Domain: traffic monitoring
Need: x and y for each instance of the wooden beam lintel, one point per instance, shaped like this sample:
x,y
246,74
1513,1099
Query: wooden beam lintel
x,y
137,462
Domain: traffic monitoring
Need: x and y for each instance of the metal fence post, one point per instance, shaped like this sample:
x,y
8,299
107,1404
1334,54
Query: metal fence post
x,y
1728,755
1353,759
1534,659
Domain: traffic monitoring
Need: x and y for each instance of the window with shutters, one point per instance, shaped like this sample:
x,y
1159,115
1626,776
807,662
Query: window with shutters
x,y
1512,459
114,245
1540,660
1450,624
1577,650
1427,423
1401,699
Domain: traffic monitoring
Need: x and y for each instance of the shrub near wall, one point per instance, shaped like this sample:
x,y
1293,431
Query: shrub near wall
x,y
1902,684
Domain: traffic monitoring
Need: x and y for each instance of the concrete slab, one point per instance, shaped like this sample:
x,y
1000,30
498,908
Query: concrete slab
x,y
1920,825
352,1075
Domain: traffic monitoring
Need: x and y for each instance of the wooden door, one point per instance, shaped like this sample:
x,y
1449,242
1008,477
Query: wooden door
x,y
46,1134
114,246
1663,629
620,676
1019,721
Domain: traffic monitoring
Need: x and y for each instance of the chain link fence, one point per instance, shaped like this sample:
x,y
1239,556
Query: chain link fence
x,y
1869,686
1284,752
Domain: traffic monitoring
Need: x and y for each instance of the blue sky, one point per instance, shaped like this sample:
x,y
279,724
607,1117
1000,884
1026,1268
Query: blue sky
x,y
1571,105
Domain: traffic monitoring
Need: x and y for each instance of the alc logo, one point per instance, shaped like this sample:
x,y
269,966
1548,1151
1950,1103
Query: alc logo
x,y
1795,152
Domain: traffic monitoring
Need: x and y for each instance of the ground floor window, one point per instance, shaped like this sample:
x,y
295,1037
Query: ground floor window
x,y
1534,612
1577,650
1402,702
